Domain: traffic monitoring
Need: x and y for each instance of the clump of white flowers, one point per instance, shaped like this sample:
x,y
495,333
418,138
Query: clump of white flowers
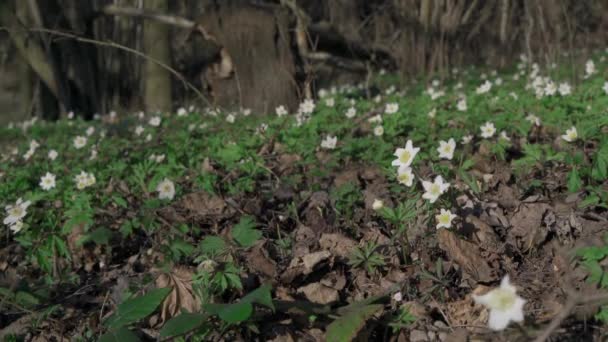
x,y
30,152
15,214
564,89
504,304
589,68
280,111
84,180
230,118
484,88
154,121
166,189
329,142
533,119
307,107
435,189
47,182
571,134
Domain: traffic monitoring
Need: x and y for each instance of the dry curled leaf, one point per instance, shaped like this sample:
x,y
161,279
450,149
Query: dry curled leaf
x,y
466,255
319,293
259,261
337,244
181,296
528,230
304,265
203,204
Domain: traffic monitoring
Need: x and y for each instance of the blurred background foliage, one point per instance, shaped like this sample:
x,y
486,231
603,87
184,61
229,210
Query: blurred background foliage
x,y
97,56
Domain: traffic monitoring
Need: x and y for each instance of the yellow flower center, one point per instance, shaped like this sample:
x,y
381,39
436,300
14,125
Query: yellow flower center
x,y
435,190
404,178
502,299
447,149
405,157
16,211
444,218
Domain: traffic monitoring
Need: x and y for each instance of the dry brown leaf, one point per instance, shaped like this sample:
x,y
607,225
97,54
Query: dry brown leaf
x,y
319,293
528,230
347,177
181,296
303,265
466,255
466,313
484,234
337,244
258,261
203,204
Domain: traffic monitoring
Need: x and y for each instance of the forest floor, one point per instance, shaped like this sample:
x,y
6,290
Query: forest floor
x,y
211,225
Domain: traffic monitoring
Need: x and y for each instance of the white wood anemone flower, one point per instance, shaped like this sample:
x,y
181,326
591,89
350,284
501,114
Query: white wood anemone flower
x,y
446,149
80,142
15,213
504,304
166,189
405,175
406,155
378,204
462,105
435,189
444,219
487,130
47,182
391,108
329,142
571,134
280,111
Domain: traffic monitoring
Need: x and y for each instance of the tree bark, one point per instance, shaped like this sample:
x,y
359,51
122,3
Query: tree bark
x,y
157,80
29,49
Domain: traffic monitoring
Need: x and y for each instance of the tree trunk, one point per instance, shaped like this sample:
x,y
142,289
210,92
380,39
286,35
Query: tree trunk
x,y
30,50
157,80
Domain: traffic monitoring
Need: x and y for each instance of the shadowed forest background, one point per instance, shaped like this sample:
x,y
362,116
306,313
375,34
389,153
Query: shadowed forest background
x,y
98,56
304,170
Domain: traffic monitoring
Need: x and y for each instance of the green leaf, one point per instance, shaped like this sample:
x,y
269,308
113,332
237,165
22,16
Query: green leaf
x,y
600,164
137,308
182,324
346,328
244,233
26,299
231,313
213,245
589,201
120,335
120,201
100,236
261,296
574,181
